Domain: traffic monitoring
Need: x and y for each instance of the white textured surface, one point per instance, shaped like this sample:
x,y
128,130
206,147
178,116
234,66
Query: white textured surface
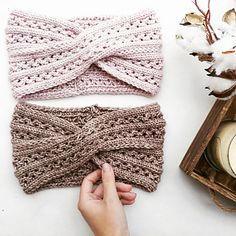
x,y
180,206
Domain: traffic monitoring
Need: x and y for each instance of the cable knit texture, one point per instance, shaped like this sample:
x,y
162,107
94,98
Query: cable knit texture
x,y
52,58
55,147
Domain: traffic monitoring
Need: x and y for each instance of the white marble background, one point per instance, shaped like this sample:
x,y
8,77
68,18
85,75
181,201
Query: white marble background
x,y
180,206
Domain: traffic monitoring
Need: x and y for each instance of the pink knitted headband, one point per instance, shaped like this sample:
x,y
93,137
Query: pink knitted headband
x,y
52,58
54,147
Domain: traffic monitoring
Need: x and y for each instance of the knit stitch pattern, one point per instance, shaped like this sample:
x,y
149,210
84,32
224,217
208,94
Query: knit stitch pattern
x,y
51,58
54,147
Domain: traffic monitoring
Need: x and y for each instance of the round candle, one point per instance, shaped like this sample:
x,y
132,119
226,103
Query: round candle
x,y
232,154
222,148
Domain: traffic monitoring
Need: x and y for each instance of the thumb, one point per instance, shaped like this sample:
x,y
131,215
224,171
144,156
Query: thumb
x,y
108,180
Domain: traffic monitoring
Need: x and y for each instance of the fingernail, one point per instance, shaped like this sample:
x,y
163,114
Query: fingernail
x,y
106,167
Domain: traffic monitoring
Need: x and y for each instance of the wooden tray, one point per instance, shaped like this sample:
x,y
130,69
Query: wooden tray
x,y
194,163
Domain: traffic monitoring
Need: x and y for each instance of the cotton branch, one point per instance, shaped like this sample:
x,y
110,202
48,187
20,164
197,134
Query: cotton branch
x,y
211,35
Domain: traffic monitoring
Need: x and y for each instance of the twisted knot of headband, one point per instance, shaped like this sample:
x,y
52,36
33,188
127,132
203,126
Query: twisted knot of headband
x,y
52,58
55,147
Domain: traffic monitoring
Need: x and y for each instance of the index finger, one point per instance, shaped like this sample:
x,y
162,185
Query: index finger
x,y
89,181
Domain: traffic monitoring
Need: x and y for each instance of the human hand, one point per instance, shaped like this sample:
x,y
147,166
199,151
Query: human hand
x,y
102,207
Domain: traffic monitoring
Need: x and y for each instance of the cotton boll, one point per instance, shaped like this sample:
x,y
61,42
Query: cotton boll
x,y
219,84
224,54
227,29
193,39
224,62
224,44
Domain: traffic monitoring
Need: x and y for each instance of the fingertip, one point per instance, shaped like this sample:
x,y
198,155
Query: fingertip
x,y
128,187
127,202
129,196
106,168
123,187
135,195
107,173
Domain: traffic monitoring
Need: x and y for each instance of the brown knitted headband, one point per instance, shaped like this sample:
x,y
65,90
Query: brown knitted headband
x,y
55,147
